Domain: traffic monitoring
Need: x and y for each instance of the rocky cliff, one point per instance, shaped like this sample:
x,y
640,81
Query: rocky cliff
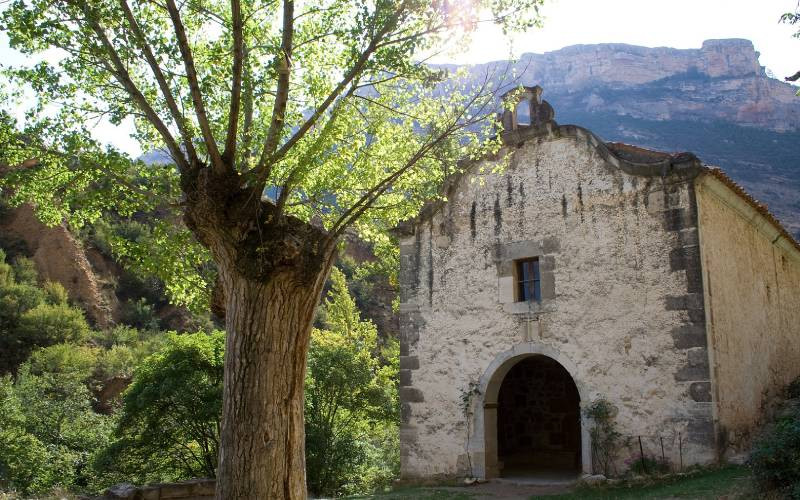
x,y
722,80
59,257
716,101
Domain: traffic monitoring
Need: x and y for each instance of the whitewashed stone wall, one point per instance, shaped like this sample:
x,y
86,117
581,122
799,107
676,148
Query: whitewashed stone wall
x,y
622,304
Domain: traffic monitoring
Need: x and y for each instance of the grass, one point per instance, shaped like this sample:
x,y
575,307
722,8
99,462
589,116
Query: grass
x,y
422,493
730,482
727,482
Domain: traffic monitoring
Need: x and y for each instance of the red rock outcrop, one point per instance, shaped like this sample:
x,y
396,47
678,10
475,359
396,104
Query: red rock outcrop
x,y
59,257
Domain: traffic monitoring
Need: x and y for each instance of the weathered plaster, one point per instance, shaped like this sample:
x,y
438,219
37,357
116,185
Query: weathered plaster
x,y
625,316
751,274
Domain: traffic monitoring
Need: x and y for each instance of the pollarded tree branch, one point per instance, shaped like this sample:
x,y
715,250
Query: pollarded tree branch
x,y
194,88
284,68
368,199
295,175
363,204
247,109
147,50
229,153
264,167
121,73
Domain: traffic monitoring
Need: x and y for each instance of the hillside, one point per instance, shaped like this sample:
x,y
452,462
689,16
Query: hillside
x,y
716,101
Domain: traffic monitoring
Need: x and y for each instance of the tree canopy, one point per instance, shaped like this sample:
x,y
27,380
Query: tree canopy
x,y
326,106
284,123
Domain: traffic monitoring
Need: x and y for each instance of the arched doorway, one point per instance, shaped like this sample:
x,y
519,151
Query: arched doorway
x,y
482,443
538,419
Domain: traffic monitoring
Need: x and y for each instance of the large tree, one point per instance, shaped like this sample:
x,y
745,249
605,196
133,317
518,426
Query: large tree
x,y
287,123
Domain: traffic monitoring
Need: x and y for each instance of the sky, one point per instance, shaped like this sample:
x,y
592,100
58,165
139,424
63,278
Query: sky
x,y
681,24
664,23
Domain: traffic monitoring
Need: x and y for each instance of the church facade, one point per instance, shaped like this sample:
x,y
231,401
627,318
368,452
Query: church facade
x,y
586,271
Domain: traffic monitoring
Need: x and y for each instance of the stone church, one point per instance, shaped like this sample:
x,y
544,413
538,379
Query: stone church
x,y
582,271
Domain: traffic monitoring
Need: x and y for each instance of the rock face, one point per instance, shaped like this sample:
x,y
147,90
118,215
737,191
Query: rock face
x,y
721,80
60,258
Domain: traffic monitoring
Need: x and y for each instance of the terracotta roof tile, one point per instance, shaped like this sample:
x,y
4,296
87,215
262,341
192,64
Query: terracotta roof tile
x,y
761,208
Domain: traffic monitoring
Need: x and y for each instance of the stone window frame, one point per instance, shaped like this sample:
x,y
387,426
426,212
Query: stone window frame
x,y
506,257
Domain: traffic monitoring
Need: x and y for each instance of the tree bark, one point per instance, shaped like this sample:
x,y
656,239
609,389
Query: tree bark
x,y
268,324
271,270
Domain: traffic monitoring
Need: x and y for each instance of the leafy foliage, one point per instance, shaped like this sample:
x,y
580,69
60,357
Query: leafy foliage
x,y
47,324
31,316
330,109
168,426
49,432
775,457
351,402
24,460
606,439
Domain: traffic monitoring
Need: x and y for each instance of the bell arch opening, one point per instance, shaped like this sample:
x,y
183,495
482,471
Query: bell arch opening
x,y
538,419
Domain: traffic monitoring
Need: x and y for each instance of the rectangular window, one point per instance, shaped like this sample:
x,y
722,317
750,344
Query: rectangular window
x,y
529,288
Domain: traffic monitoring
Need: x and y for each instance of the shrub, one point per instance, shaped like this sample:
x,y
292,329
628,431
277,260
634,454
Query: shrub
x,y
118,335
6,272
16,299
24,462
55,293
139,314
351,402
120,360
73,360
606,440
49,432
168,427
25,271
775,458
48,324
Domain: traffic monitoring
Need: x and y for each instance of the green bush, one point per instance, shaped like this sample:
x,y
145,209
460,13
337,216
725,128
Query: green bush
x,y
25,463
55,293
775,457
168,426
72,360
15,299
23,458
25,271
6,271
48,324
118,335
49,433
119,361
139,314
351,402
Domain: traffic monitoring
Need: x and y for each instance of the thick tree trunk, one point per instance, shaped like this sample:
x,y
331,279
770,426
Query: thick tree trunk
x,y
268,329
272,268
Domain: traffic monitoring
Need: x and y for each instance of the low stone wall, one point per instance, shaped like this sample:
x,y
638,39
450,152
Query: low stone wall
x,y
196,489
